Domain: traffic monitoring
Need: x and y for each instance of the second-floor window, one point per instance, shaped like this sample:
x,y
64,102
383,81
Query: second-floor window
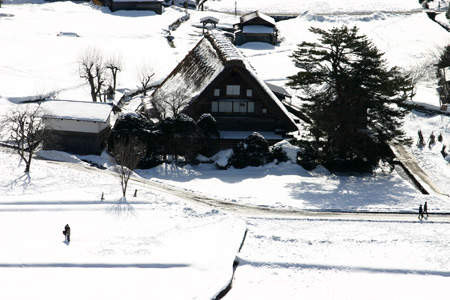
x,y
235,107
233,90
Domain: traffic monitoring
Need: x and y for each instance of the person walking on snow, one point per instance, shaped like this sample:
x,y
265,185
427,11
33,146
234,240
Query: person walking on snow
x,y
67,232
425,209
420,212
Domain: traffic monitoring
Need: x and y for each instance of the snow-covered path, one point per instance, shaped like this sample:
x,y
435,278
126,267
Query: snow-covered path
x,y
246,210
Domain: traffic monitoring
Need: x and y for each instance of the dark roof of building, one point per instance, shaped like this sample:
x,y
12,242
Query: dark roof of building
x,y
276,89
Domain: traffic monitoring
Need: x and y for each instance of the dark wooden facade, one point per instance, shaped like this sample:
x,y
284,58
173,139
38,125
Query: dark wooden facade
x,y
248,109
155,6
270,35
76,142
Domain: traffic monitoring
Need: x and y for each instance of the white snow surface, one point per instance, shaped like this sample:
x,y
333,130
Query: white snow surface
x,y
77,110
323,6
160,245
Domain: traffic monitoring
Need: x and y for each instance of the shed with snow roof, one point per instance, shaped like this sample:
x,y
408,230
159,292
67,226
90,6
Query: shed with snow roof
x,y
217,79
75,126
209,20
255,27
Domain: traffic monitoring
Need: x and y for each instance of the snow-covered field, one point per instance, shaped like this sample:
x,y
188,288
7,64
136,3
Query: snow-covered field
x,y
159,245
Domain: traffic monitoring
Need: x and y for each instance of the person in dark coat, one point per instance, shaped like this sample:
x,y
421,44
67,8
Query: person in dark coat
x,y
67,232
425,209
420,212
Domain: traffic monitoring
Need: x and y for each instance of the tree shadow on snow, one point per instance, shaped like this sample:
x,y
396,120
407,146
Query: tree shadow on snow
x,y
188,173
345,193
122,208
23,182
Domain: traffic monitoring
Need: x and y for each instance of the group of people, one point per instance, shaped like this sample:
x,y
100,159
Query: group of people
x,y
431,140
423,210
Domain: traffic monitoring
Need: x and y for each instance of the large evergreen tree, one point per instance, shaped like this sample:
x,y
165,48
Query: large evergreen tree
x,y
352,97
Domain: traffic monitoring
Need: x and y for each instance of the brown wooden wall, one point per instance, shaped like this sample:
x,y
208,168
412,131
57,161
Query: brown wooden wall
x,y
76,142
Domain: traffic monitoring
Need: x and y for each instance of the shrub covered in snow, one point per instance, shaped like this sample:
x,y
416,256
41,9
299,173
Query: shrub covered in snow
x,y
254,151
130,124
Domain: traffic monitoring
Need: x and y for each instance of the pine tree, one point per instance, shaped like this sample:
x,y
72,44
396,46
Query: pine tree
x,y
354,100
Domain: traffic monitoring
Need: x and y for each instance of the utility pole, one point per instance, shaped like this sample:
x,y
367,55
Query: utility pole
x,y
235,8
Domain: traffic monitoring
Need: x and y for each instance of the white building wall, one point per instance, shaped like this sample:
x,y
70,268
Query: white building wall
x,y
75,126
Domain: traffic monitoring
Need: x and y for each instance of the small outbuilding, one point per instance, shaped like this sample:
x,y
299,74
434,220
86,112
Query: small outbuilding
x,y
209,20
255,27
75,126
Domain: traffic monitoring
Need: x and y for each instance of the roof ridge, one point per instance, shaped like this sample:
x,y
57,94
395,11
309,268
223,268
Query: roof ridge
x,y
228,51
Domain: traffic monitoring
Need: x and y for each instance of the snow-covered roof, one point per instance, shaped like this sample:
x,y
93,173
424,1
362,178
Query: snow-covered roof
x,y
77,110
209,19
193,73
225,47
257,29
256,14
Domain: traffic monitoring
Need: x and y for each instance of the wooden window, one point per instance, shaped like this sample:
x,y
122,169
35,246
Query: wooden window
x,y
214,106
249,93
236,107
217,92
242,107
251,107
233,90
226,106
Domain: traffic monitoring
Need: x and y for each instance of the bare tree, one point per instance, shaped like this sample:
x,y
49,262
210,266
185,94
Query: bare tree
x,y
24,127
170,104
92,69
127,152
416,74
43,93
144,75
114,65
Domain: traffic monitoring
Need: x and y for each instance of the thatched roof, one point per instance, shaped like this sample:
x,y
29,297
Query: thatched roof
x,y
212,57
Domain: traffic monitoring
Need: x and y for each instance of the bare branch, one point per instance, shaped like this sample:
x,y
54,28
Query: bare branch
x,y
92,68
170,104
115,65
144,75
127,152
24,127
